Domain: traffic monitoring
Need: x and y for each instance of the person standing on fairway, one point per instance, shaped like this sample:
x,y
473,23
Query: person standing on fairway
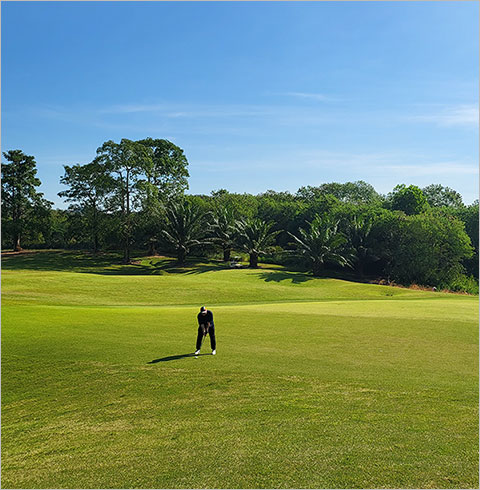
x,y
205,325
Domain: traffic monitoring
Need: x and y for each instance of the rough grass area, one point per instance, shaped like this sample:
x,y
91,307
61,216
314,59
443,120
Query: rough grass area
x,y
318,383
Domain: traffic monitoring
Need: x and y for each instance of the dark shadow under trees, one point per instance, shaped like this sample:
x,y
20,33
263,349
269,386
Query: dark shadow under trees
x,y
105,263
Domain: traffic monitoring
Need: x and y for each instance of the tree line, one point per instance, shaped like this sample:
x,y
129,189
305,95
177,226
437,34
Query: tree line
x,y
132,197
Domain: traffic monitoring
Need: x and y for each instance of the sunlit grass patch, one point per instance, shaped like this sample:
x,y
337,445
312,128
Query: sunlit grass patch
x,y
317,383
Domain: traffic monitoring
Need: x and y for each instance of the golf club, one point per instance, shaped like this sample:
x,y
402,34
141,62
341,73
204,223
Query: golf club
x,y
205,331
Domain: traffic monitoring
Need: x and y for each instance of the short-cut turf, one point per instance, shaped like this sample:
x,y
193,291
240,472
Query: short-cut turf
x,y
317,383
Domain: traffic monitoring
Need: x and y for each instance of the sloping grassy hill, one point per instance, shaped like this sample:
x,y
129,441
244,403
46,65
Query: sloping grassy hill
x,y
84,280
318,383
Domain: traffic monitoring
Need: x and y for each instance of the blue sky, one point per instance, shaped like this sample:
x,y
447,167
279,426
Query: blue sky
x,y
260,95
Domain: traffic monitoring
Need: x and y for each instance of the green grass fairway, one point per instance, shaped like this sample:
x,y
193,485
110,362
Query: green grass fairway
x,y
318,383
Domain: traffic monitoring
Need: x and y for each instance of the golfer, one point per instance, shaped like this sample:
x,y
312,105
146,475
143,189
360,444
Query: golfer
x,y
205,325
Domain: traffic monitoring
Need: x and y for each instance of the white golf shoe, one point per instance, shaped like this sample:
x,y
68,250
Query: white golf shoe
x,y
197,352
214,351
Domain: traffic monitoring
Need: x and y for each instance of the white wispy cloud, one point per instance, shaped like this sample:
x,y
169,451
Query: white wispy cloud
x,y
367,163
294,169
460,115
432,169
172,110
309,95
132,108
214,119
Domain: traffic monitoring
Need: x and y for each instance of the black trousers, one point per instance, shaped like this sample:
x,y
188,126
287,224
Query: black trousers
x,y
211,332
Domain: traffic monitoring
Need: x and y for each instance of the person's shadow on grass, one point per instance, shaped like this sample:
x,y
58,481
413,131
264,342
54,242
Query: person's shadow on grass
x,y
174,358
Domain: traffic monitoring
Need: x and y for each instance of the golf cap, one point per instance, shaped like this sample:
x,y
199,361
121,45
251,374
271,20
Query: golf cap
x,y
203,308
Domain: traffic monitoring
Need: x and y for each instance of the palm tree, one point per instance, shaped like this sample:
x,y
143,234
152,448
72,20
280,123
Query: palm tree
x,y
254,237
185,228
359,236
322,243
224,230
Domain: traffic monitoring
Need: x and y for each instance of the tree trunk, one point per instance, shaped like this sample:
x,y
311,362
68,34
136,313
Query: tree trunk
x,y
95,236
95,243
317,269
253,261
95,230
126,246
226,254
16,243
17,229
181,256
126,254
360,269
151,248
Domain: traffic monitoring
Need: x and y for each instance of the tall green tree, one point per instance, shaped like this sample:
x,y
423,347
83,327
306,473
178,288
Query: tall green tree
x,y
321,205
358,192
437,196
185,228
165,178
242,205
58,228
284,210
254,237
21,202
469,215
89,186
430,249
359,235
410,200
166,168
320,244
223,230
126,163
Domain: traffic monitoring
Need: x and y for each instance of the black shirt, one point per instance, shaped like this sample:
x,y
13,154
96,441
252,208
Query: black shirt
x,y
204,319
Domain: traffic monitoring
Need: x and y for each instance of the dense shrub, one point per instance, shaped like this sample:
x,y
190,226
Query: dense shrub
x,y
464,283
429,249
